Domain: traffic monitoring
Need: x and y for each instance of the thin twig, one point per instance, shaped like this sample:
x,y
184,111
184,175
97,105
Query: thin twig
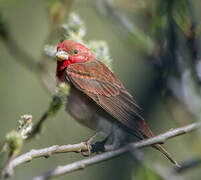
x,y
189,164
108,9
37,128
193,42
22,132
165,173
20,55
4,147
60,170
58,99
45,152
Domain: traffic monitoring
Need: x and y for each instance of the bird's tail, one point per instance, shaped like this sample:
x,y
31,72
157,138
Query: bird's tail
x,y
147,133
166,153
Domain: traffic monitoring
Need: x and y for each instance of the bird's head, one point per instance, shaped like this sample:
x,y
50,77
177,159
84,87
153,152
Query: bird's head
x,y
70,52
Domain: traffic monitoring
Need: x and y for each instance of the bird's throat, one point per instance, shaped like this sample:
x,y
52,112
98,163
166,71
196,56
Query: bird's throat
x,y
61,65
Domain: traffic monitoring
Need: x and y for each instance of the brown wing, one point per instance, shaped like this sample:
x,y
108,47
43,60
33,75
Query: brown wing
x,y
100,84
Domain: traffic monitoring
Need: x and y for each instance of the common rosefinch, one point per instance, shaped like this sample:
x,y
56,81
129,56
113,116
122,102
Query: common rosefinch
x,y
97,97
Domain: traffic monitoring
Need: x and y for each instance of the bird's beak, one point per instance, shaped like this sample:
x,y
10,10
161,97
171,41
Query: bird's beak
x,y
62,55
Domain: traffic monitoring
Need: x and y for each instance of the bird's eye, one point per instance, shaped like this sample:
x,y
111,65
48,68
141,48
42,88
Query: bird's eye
x,y
75,51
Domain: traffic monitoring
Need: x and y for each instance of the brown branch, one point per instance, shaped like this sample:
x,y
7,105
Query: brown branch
x,y
58,99
161,138
45,152
165,173
19,54
60,170
14,140
110,11
186,165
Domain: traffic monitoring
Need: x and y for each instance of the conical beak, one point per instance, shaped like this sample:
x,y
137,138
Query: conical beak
x,y
62,55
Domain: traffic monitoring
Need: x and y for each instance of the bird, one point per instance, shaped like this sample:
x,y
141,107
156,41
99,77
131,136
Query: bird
x,y
98,99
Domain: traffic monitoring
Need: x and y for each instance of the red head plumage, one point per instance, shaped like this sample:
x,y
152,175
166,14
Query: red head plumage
x,y
70,52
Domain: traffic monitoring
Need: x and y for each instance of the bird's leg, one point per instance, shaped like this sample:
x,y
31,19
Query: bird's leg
x,y
99,146
88,143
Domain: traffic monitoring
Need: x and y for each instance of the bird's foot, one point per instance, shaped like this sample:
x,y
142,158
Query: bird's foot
x,y
99,146
89,147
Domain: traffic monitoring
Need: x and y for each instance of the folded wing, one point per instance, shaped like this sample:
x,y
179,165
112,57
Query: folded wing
x,y
100,84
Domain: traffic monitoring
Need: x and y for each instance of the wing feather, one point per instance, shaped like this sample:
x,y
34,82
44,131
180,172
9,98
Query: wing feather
x,y
100,84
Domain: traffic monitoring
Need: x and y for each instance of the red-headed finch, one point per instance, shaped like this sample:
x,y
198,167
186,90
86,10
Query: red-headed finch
x,y
97,97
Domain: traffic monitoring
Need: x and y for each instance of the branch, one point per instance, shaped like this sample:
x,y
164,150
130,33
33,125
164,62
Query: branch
x,y
58,99
110,11
15,139
191,163
165,173
45,152
60,170
19,55
175,172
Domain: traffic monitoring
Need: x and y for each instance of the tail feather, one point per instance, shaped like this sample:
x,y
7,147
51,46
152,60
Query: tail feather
x,y
166,153
147,133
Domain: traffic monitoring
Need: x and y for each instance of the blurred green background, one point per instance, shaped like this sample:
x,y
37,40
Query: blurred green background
x,y
22,92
